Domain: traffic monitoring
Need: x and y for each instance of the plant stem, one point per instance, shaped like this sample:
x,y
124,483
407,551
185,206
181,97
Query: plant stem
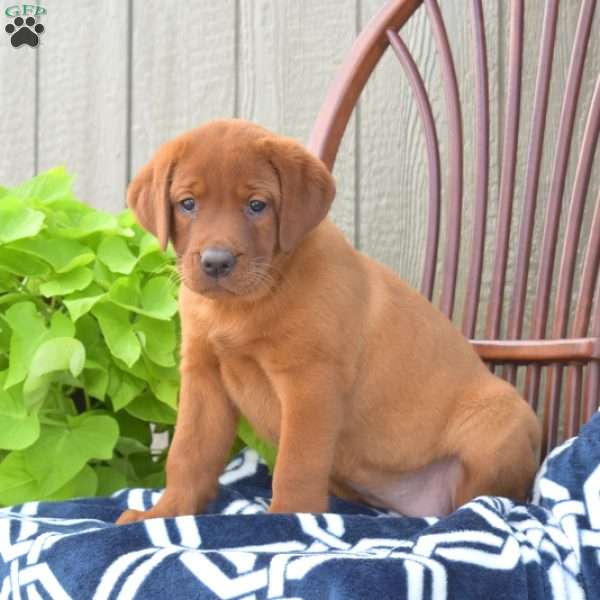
x,y
48,421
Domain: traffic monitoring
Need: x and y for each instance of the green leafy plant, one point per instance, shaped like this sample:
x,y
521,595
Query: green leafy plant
x,y
89,337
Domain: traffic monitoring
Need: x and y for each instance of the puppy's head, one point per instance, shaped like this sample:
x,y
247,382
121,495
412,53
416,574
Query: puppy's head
x,y
231,196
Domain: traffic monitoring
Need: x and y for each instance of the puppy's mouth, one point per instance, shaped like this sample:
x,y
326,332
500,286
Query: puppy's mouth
x,y
248,283
251,279
215,290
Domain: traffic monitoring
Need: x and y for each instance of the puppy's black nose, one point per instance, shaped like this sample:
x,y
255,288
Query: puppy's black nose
x,y
217,262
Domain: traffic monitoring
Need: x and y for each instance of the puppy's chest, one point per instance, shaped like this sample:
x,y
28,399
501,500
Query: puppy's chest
x,y
248,386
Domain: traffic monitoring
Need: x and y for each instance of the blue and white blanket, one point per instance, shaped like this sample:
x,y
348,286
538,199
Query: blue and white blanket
x,y
490,548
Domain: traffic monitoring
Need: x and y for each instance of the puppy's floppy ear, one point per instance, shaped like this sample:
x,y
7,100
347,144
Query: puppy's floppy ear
x,y
148,198
307,188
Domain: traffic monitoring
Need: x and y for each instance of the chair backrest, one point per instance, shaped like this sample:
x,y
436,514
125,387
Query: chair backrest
x,y
555,357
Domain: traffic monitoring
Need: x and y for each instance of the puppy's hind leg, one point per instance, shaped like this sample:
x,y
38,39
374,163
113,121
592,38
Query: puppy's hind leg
x,y
499,455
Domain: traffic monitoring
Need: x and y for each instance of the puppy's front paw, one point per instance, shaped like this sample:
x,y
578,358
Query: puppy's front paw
x,y
164,511
132,516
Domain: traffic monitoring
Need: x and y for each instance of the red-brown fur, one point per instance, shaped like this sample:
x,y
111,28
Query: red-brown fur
x,y
365,387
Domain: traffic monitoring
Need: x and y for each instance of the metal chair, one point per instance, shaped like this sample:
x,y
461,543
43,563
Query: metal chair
x,y
563,353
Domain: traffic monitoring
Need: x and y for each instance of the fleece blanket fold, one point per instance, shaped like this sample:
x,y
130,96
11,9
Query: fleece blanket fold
x,y
490,548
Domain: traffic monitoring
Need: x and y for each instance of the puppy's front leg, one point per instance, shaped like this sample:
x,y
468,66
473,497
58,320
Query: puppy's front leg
x,y
204,433
310,422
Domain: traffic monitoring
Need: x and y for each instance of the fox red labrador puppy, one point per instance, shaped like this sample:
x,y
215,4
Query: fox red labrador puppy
x,y
367,390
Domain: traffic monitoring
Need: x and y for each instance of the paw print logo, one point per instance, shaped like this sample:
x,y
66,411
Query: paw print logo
x,y
24,32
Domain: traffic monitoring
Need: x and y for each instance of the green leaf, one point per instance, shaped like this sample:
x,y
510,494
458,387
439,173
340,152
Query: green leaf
x,y
29,330
29,333
151,258
145,465
129,388
58,354
21,263
11,298
115,254
158,340
83,485
126,468
154,480
238,446
66,283
7,281
110,480
131,427
70,219
61,326
127,446
103,276
36,390
164,382
137,369
88,333
147,408
125,292
17,484
117,331
5,333
249,437
17,221
68,448
95,379
148,245
166,391
57,403
17,432
50,185
81,302
155,300
127,219
63,255
18,429
155,263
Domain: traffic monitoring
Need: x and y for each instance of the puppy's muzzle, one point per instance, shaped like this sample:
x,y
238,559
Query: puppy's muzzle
x,y
217,262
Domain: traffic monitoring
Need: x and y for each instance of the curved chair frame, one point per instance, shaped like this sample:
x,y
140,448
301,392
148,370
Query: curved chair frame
x,y
574,350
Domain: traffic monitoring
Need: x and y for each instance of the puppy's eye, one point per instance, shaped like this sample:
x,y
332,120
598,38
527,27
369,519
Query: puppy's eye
x,y
188,205
256,206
